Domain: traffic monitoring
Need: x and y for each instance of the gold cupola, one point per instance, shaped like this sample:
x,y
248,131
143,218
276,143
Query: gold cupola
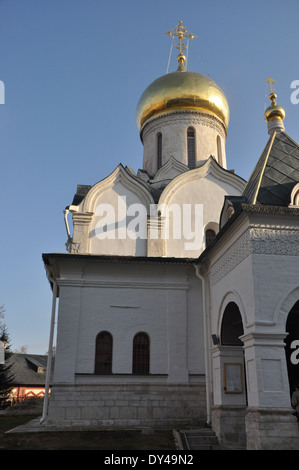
x,y
182,116
274,111
181,90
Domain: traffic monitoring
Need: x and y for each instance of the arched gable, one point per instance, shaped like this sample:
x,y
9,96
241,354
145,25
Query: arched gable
x,y
209,169
118,207
170,170
123,177
201,193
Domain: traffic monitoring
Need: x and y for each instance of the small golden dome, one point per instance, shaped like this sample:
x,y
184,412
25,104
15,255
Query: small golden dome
x,y
274,111
182,90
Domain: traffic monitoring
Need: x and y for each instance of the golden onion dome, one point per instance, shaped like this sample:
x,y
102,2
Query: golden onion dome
x,y
182,90
274,111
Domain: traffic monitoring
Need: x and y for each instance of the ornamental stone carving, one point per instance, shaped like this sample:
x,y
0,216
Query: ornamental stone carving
x,y
231,258
275,241
268,241
190,118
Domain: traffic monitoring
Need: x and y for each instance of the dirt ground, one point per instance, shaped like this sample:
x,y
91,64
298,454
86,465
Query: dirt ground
x,y
85,440
102,440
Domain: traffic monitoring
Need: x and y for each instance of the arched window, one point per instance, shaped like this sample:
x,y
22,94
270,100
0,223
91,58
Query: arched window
x,y
210,236
141,354
191,147
159,150
219,151
103,356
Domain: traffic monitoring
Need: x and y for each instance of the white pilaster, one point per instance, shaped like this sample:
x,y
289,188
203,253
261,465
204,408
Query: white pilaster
x,y
265,362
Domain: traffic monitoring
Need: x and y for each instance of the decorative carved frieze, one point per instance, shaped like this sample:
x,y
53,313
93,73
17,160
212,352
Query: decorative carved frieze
x,y
191,118
275,241
231,258
268,241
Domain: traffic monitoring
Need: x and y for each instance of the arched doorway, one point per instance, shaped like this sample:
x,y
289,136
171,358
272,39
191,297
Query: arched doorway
x,y
229,383
231,326
292,346
231,330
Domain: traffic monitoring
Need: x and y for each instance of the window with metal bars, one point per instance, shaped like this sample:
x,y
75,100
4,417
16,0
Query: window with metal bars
x,y
191,147
141,354
103,355
210,236
159,150
219,151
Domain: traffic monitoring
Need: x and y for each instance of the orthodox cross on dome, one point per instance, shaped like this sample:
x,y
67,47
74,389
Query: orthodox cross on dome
x,y
274,113
272,95
271,81
181,32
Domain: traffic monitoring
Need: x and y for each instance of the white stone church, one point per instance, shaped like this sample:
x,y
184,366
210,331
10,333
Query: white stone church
x,y
178,295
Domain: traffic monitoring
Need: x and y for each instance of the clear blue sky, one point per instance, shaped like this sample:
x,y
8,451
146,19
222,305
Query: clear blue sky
x,y
74,71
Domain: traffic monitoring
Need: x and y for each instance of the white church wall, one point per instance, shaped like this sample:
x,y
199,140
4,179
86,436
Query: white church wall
x,y
247,270
173,128
112,218
275,247
195,329
67,332
271,288
123,310
112,228
222,358
201,191
237,290
268,349
231,281
286,303
163,302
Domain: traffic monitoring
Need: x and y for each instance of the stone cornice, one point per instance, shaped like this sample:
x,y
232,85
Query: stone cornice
x,y
82,217
260,208
115,284
52,257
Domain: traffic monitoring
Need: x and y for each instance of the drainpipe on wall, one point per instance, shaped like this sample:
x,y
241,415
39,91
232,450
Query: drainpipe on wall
x,y
50,353
69,238
206,347
65,212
